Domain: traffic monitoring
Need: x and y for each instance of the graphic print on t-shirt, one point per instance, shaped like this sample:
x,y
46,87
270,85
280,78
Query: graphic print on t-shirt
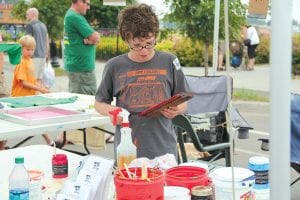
x,y
144,88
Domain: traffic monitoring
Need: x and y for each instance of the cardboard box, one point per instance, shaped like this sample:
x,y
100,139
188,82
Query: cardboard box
x,y
258,8
95,138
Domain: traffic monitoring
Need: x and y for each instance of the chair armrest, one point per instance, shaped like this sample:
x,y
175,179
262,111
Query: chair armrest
x,y
238,121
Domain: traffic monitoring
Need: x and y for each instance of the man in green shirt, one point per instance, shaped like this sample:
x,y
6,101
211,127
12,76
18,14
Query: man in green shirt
x,y
80,40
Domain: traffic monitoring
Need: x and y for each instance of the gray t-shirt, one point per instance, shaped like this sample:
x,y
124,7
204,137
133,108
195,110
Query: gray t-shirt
x,y
38,30
138,86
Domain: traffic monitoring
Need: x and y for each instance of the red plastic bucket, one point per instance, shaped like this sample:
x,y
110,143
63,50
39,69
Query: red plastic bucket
x,y
135,188
187,176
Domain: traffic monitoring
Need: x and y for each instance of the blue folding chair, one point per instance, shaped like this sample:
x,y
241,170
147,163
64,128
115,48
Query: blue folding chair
x,y
295,135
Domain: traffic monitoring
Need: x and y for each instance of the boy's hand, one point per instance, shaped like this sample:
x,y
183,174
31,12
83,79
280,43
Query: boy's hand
x,y
119,119
44,90
170,112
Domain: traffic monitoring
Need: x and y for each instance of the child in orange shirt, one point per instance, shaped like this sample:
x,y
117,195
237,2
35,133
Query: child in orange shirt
x,y
24,81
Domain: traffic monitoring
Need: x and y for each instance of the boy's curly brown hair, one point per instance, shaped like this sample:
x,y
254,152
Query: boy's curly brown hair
x,y
138,21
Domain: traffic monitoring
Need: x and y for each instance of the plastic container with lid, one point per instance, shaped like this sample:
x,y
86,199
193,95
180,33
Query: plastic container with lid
x,y
260,166
35,184
60,166
176,193
187,176
243,183
202,193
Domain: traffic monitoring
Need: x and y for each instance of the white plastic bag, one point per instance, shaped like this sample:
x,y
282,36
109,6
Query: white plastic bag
x,y
49,76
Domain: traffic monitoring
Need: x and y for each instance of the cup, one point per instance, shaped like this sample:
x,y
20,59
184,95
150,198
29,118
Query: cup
x,y
35,184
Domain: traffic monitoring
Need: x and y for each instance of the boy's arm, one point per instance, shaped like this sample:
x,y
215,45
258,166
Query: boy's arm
x,y
29,85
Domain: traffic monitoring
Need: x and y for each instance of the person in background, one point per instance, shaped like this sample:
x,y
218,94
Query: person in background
x,y
251,34
80,40
24,80
1,66
141,78
1,70
2,143
38,30
221,53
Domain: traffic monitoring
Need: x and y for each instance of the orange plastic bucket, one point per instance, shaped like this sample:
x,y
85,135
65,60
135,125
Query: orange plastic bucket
x,y
187,176
135,188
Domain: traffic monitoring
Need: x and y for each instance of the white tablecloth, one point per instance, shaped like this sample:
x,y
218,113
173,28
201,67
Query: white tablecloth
x,y
36,157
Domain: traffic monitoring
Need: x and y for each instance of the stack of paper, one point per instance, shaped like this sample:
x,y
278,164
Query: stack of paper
x,y
92,182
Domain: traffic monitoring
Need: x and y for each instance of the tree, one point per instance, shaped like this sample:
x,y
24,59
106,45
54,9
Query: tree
x,y
195,19
104,16
52,14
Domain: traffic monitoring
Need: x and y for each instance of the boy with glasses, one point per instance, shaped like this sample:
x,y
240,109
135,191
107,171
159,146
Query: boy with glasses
x,y
141,78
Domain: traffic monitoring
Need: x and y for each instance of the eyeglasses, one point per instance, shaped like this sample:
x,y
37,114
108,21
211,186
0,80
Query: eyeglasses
x,y
138,48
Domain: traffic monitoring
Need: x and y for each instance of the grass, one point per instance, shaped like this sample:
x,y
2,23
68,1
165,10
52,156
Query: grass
x,y
249,95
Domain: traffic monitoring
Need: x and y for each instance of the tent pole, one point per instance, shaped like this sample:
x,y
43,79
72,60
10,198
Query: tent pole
x,y
280,83
216,36
231,132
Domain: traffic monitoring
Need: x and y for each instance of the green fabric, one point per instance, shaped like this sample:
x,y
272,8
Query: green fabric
x,y
78,56
29,101
14,52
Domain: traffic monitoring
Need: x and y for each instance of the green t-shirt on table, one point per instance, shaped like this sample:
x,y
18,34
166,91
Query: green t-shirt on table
x,y
14,52
78,56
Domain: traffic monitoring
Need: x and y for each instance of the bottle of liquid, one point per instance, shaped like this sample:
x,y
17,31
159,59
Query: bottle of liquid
x,y
19,181
126,150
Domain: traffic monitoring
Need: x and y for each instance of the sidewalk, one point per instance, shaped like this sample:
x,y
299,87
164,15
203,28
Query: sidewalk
x,y
258,79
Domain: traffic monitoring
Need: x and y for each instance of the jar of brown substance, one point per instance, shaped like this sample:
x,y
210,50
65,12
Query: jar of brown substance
x,y
202,193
